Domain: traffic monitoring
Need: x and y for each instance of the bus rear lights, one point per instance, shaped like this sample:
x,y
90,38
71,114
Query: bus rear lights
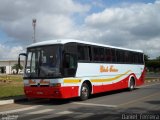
x,y
55,84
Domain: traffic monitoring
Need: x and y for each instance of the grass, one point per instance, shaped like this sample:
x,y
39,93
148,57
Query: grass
x,y
10,91
151,78
14,78
10,86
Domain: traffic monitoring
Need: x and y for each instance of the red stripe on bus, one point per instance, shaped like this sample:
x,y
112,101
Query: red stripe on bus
x,y
72,91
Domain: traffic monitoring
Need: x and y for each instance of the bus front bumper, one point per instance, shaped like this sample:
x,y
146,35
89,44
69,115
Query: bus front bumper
x,y
50,92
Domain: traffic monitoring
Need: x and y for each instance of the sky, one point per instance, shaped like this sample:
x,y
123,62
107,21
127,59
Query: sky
x,y
133,24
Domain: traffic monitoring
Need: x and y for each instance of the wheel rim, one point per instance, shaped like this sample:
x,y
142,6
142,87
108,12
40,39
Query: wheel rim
x,y
84,91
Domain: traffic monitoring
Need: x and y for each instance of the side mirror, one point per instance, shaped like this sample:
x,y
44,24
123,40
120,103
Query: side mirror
x,y
19,61
23,54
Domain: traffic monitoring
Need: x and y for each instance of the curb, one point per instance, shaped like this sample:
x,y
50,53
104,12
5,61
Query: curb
x,y
154,80
4,102
11,101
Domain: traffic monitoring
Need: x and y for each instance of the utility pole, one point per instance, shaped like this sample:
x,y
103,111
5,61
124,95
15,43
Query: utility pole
x,y
34,30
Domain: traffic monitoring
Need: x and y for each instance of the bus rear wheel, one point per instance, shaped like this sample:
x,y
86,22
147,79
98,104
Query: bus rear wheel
x,y
84,94
131,84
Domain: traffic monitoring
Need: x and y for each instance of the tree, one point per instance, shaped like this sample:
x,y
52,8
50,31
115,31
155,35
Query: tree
x,y
146,57
153,65
17,67
158,58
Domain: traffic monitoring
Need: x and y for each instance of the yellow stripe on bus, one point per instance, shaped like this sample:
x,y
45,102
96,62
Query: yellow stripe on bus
x,y
72,80
110,79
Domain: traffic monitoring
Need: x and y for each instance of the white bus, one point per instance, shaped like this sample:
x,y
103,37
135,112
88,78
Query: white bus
x,y
71,68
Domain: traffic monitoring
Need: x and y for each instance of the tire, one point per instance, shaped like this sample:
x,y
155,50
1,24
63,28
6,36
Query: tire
x,y
84,94
131,85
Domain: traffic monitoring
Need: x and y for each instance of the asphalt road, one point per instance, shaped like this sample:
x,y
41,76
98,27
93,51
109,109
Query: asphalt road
x,y
142,103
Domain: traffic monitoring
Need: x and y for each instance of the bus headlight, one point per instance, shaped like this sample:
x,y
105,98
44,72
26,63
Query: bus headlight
x,y
26,84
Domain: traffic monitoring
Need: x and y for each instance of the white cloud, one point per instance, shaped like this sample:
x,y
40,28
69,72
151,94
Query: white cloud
x,y
57,26
10,52
134,26
54,18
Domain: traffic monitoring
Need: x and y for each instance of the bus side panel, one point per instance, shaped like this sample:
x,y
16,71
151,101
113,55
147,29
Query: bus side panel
x,y
69,91
109,87
122,84
140,81
97,89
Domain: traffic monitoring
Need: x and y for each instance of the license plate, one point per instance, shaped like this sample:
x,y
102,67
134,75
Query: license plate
x,y
40,93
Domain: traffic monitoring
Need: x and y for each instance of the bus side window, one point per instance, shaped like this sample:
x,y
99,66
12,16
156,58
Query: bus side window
x,y
83,53
113,54
108,57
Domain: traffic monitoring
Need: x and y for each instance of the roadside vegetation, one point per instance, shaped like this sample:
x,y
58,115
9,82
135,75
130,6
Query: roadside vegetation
x,y
16,67
152,65
11,85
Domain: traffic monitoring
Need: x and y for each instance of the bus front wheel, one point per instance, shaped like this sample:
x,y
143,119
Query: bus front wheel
x,y
84,92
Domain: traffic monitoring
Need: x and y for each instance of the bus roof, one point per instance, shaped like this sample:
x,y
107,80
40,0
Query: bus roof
x,y
64,41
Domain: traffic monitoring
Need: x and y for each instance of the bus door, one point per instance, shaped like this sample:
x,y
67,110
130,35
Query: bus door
x,y
69,64
70,60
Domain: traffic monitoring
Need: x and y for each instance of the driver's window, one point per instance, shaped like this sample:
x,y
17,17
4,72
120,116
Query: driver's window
x,y
70,61
70,65
67,61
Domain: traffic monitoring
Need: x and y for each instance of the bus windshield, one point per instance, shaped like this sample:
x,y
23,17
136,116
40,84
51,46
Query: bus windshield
x,y
43,62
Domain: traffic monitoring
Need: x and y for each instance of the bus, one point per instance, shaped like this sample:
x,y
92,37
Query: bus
x,y
67,68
